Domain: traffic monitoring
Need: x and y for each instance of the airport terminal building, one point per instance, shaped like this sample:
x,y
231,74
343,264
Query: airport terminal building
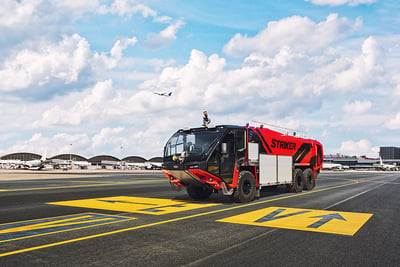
x,y
390,153
73,161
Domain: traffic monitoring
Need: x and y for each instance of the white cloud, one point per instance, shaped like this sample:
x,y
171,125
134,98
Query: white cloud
x,y
91,105
163,38
357,107
14,12
127,8
394,123
57,144
121,45
108,136
363,69
341,2
299,33
62,61
358,148
163,19
76,8
102,60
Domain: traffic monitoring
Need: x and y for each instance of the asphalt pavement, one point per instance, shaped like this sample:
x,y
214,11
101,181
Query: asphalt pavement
x,y
135,219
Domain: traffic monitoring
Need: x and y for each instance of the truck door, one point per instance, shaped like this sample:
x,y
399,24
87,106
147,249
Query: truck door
x,y
232,149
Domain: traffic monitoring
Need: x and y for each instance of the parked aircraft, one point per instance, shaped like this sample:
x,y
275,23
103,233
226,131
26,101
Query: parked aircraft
x,y
333,166
387,167
36,164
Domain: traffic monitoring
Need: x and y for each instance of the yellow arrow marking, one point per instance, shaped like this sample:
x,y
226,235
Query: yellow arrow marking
x,y
335,222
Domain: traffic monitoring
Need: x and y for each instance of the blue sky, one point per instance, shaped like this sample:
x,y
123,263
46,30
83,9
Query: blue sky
x,y
78,77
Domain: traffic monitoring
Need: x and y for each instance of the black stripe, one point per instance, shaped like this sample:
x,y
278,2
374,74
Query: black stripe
x,y
263,140
301,152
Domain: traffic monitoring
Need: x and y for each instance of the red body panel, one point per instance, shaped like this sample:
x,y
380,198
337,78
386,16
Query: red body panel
x,y
304,151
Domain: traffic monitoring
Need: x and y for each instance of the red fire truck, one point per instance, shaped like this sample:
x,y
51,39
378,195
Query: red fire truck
x,y
239,161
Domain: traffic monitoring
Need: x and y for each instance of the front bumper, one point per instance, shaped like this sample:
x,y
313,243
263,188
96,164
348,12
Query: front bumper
x,y
183,178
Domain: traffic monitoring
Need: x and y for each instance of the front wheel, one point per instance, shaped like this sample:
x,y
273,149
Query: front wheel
x,y
246,187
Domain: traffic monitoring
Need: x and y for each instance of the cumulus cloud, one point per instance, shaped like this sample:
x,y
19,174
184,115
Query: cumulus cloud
x,y
102,60
108,136
15,13
107,141
394,123
341,2
163,38
91,105
357,107
299,33
361,70
127,8
358,148
57,144
35,67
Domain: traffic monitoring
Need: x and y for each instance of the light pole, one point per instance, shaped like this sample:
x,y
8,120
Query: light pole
x,y
70,156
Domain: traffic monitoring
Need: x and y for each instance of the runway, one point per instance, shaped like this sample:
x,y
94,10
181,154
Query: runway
x,y
135,219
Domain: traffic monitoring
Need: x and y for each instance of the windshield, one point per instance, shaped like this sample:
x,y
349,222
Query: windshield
x,y
194,143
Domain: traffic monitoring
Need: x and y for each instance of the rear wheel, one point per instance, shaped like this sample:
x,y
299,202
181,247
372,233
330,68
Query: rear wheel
x,y
199,192
298,181
246,187
309,179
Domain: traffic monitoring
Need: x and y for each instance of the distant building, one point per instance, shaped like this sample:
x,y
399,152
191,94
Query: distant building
x,y
390,152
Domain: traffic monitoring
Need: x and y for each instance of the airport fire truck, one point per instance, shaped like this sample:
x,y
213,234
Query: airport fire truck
x,y
239,161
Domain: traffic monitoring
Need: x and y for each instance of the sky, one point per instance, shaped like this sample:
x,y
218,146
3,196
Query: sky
x,y
79,76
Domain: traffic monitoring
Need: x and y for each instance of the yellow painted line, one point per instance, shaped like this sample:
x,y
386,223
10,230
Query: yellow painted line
x,y
339,179
42,225
40,228
97,182
61,187
379,182
171,220
326,221
149,178
153,206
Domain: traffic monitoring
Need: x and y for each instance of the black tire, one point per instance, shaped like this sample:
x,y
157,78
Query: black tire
x,y
246,187
298,181
199,192
309,179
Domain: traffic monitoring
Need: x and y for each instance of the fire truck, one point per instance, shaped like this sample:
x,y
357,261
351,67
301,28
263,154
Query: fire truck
x,y
239,161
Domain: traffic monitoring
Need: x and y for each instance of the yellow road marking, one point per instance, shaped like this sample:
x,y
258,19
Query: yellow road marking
x,y
345,223
42,225
61,187
39,227
154,206
97,182
173,220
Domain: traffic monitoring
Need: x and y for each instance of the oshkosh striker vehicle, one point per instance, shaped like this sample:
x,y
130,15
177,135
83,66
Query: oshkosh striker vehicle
x,y
239,160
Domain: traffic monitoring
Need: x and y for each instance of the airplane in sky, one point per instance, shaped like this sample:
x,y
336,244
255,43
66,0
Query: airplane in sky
x,y
163,94
387,167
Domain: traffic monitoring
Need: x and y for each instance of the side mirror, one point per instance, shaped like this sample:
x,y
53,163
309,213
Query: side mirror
x,y
224,148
